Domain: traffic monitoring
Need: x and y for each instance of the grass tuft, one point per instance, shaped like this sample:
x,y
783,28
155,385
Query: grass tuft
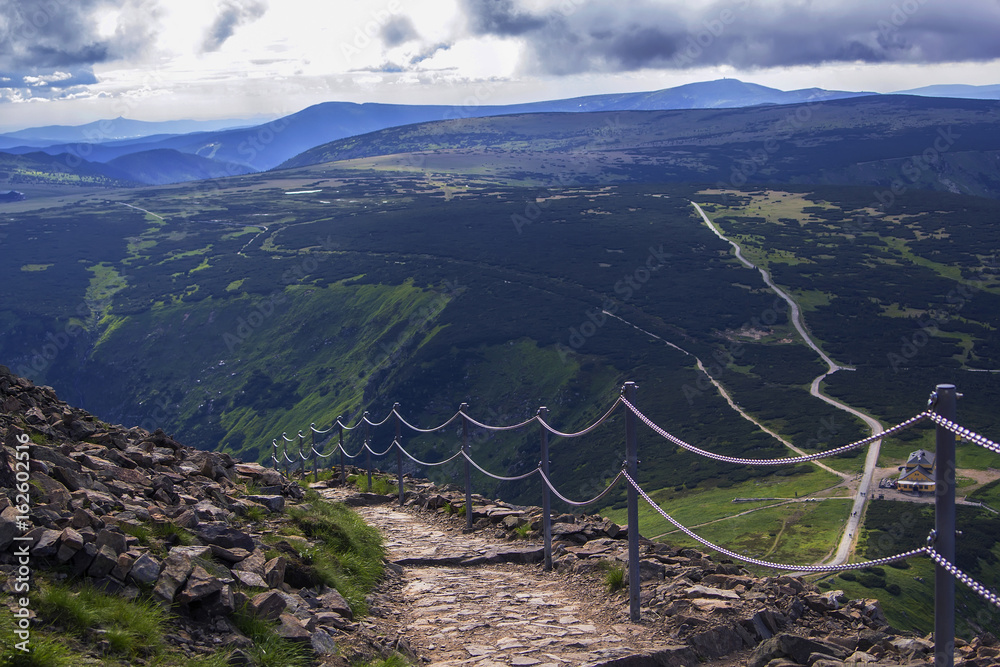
x,y
269,649
614,575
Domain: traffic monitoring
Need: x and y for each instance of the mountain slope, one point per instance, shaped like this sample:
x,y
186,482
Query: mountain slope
x,y
164,165
876,140
43,169
265,146
114,129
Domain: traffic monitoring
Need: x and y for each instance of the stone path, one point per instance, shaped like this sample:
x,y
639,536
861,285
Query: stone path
x,y
470,600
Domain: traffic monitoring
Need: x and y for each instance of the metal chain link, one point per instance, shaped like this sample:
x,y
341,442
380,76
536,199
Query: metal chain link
x,y
585,431
424,463
953,570
971,436
773,462
566,500
489,474
371,423
426,430
776,566
374,453
322,456
512,427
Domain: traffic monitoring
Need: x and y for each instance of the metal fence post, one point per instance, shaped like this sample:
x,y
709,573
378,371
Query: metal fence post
x,y
368,452
631,466
399,452
468,468
340,433
301,462
284,451
312,446
944,527
546,500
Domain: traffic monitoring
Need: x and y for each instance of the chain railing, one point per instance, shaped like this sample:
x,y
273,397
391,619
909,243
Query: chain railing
x,y
940,548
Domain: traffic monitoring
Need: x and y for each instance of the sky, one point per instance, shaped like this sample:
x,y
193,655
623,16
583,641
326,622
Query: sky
x,y
71,62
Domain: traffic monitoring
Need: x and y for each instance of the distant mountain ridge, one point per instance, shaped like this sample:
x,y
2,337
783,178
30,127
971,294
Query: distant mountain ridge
x,y
264,146
116,129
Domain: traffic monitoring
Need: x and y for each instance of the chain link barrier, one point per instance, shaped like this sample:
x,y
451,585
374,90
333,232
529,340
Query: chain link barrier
x,y
912,421
965,433
755,561
953,570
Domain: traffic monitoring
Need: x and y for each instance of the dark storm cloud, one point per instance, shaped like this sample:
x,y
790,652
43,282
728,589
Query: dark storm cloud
x,y
499,17
591,35
398,30
232,15
53,44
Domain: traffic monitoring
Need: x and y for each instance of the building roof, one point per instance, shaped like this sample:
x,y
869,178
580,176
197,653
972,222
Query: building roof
x,y
921,457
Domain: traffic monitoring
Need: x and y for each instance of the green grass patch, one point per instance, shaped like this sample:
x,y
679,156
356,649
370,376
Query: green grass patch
x,y
269,649
381,484
131,629
696,506
345,552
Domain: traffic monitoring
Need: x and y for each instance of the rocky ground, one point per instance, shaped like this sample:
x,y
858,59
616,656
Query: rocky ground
x,y
482,599
448,597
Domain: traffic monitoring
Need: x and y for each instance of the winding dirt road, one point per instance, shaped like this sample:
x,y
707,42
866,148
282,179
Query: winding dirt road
x,y
871,461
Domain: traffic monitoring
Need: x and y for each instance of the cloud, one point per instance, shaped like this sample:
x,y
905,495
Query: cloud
x,y
592,36
398,30
49,45
232,15
499,17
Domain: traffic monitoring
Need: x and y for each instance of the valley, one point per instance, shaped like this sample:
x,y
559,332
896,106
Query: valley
x,y
421,267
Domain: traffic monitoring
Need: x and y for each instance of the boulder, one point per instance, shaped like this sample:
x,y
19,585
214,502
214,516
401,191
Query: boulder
x,y
268,605
798,649
274,572
323,643
200,584
176,569
273,503
225,537
333,601
104,561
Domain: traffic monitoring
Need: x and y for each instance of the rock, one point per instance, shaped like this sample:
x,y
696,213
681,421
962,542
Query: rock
x,y
268,605
707,592
274,572
53,492
70,541
717,642
229,555
333,601
85,518
799,649
200,584
45,542
253,563
251,579
116,541
122,567
104,561
176,569
323,643
291,628
913,647
8,527
145,570
225,537
272,503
